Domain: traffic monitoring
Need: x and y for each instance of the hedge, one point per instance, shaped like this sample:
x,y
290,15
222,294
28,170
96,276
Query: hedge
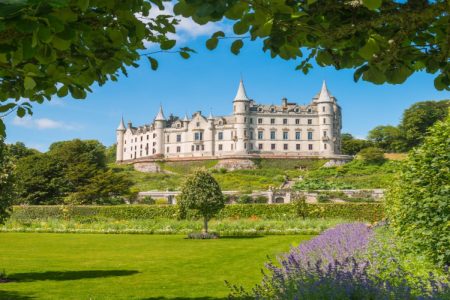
x,y
351,211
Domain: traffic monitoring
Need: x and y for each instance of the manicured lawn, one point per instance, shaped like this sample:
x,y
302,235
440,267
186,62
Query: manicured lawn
x,y
102,266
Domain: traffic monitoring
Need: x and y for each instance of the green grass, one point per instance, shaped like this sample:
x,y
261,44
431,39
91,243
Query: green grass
x,y
87,266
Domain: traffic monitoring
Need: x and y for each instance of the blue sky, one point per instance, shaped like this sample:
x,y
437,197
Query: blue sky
x,y
208,81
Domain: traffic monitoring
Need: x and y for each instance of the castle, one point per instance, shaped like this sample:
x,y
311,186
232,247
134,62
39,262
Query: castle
x,y
253,130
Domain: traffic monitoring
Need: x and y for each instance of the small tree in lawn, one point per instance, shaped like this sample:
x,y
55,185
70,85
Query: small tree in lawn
x,y
201,192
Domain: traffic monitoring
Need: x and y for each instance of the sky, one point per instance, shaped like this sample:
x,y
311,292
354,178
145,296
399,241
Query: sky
x,y
208,82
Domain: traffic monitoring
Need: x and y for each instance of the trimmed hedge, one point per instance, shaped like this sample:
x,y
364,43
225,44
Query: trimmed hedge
x,y
351,211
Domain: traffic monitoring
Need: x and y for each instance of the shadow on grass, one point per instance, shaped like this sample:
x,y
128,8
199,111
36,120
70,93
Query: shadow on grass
x,y
68,275
186,298
9,295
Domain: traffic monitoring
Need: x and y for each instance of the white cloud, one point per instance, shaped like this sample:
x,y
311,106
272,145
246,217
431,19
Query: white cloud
x,y
187,29
43,124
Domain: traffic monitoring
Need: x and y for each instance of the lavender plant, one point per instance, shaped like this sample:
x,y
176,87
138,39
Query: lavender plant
x,y
334,265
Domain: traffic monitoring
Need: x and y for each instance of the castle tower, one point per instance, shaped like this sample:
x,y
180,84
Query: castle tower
x,y
120,133
325,107
240,111
160,122
210,133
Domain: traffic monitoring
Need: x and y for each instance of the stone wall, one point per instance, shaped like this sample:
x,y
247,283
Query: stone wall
x,y
235,164
148,167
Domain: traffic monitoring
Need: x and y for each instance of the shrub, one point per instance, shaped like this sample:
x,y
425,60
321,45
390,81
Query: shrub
x,y
161,201
203,235
245,199
202,193
147,200
261,199
372,155
419,202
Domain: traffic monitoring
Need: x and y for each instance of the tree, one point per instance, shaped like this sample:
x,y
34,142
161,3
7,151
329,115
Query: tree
x,y
372,155
351,146
6,182
384,41
418,204
52,48
421,116
389,138
201,192
19,150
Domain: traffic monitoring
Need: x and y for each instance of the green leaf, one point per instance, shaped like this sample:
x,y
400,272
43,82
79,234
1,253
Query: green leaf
x,y
6,107
62,92
236,46
29,83
369,49
76,92
168,44
185,55
218,34
2,129
60,44
153,63
21,112
211,43
372,4
83,4
240,27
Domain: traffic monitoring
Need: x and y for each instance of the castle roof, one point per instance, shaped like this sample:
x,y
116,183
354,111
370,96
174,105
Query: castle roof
x,y
121,125
160,115
241,94
185,119
324,95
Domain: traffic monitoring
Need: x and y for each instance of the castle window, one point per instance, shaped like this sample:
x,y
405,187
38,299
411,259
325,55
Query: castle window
x,y
178,125
245,120
141,146
220,147
198,124
245,133
260,120
325,133
297,146
285,121
323,108
272,135
251,146
124,149
297,135
251,120
178,138
231,146
198,136
324,121
141,138
140,153
135,139
325,146
310,135
296,110
197,147
192,148
125,142
260,146
285,135
146,151
154,143
251,134
310,146
154,135
245,145
260,135
154,151
220,135
309,110
309,121
168,138
131,155
297,121
260,109
148,137
285,146
272,109
167,150
178,149
272,146
272,121
203,147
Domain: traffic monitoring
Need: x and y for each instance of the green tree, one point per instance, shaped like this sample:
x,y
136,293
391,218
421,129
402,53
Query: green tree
x,y
110,153
418,204
351,146
53,48
387,137
201,192
19,150
372,155
6,182
384,41
419,117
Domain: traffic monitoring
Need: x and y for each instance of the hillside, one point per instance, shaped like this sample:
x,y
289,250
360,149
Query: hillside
x,y
268,173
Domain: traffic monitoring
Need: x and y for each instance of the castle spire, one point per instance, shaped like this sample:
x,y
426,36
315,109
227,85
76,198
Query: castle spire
x,y
160,115
121,125
324,95
185,119
210,117
241,94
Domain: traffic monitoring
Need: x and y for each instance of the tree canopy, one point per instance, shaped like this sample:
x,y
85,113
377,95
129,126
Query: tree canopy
x,y
6,182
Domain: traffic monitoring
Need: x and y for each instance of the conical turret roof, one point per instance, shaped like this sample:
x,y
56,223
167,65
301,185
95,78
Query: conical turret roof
x,y
121,125
241,94
324,95
160,116
185,119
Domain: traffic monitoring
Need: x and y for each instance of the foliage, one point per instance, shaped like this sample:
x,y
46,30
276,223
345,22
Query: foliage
x,y
202,193
351,146
370,212
372,155
112,266
110,153
419,203
52,48
6,182
317,184
335,265
389,138
244,199
358,37
260,199
300,206
421,116
203,235
19,150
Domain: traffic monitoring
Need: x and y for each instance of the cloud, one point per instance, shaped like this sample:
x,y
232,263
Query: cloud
x,y
43,124
186,29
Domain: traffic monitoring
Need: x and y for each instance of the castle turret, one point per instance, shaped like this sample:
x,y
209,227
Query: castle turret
x,y
325,107
160,122
241,110
120,134
210,133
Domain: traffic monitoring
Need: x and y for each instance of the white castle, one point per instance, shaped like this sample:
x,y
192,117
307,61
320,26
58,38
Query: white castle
x,y
253,130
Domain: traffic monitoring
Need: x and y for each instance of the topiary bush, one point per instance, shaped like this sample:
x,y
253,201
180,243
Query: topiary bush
x,y
418,205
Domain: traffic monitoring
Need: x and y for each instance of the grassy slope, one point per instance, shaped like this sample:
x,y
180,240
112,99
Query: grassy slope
x,y
269,173
86,266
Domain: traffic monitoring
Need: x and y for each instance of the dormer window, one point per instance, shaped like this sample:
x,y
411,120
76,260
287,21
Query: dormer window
x,y
272,109
309,110
198,124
